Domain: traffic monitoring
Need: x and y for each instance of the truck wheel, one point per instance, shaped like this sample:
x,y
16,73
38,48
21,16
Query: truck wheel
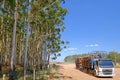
x,y
76,66
94,73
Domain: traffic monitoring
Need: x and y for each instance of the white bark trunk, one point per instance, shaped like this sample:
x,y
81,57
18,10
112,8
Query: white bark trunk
x,y
26,47
14,38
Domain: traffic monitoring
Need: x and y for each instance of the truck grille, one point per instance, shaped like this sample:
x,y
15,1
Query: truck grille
x,y
107,71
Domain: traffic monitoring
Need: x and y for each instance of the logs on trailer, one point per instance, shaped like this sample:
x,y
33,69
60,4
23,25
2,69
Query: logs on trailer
x,y
84,62
78,62
96,65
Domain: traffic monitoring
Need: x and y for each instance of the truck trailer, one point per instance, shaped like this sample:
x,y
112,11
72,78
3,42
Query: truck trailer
x,y
96,65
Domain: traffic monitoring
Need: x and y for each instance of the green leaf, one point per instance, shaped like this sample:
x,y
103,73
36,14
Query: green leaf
x,y
12,3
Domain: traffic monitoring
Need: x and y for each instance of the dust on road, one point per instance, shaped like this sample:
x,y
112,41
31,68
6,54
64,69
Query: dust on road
x,y
69,72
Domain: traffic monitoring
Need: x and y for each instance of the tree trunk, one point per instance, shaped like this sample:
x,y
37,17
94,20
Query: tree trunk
x,y
26,47
2,37
12,70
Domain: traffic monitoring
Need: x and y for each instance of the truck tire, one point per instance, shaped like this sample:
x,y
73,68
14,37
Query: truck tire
x,y
94,73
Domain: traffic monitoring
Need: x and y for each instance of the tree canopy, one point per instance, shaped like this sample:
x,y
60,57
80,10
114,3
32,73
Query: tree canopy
x,y
42,21
115,56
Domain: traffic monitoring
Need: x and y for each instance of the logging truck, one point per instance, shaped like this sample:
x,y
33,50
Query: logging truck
x,y
96,65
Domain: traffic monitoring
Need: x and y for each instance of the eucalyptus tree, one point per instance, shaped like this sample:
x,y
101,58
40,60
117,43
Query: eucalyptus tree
x,y
1,31
6,22
48,16
46,22
13,4
27,37
56,27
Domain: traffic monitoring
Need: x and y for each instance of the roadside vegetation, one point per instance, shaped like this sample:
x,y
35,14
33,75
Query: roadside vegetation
x,y
115,56
30,32
117,65
47,74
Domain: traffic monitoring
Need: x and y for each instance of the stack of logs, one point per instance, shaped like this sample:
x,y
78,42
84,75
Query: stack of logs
x,y
85,62
78,62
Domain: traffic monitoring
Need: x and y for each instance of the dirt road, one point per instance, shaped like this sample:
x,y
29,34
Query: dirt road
x,y
69,72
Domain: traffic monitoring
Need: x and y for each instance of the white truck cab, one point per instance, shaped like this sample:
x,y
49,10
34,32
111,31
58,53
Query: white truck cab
x,y
104,68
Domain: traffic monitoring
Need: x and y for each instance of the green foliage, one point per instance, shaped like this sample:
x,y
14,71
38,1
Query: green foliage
x,y
12,3
72,58
115,56
39,74
46,24
117,66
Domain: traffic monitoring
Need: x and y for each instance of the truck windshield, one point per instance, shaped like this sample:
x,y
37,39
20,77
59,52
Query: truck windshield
x,y
106,63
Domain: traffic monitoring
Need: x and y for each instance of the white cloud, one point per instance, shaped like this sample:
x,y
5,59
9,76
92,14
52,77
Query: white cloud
x,y
71,49
92,45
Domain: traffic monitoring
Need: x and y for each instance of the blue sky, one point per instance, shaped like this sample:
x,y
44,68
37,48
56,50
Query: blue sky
x,y
91,25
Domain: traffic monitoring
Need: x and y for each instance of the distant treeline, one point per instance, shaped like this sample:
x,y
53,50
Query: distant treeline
x,y
115,56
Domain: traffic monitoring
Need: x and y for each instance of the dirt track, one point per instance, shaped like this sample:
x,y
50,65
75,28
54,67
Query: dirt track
x,y
69,72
